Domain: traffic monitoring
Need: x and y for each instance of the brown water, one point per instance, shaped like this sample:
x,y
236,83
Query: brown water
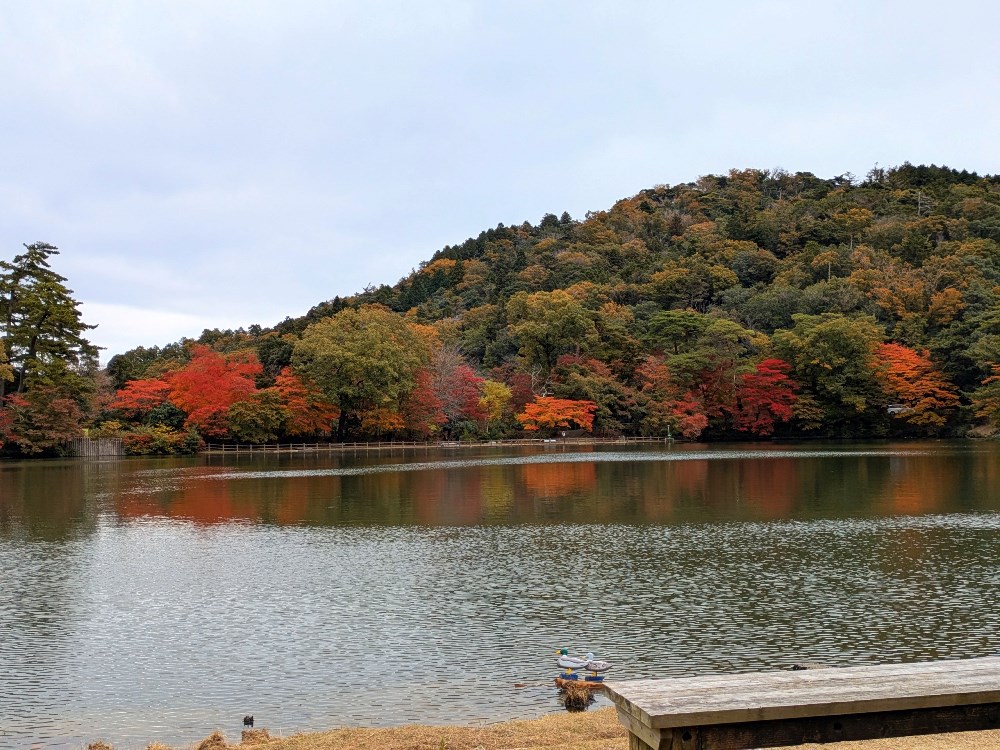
x,y
162,599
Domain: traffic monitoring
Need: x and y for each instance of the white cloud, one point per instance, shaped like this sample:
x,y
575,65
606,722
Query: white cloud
x,y
256,159
124,327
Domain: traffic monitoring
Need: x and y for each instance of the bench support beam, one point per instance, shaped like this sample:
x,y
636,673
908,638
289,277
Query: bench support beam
x,y
820,729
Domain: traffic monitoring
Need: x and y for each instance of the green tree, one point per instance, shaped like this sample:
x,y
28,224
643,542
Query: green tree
x,y
584,379
258,418
6,371
548,324
987,399
833,358
675,331
772,308
361,359
41,323
690,282
131,365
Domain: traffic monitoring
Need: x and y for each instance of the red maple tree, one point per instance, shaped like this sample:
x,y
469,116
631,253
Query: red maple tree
x,y
421,409
764,397
138,397
209,384
459,389
668,407
41,420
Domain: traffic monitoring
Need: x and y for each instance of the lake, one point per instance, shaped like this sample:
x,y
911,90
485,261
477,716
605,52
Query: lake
x,y
161,599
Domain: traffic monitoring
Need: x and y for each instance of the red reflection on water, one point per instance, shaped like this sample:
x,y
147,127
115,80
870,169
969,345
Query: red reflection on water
x,y
547,481
442,497
771,486
205,502
915,487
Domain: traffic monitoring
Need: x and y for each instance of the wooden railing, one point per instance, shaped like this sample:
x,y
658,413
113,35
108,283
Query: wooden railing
x,y
249,448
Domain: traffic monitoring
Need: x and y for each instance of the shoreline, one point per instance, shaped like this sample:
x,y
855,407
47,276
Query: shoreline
x,y
219,449
229,449
589,730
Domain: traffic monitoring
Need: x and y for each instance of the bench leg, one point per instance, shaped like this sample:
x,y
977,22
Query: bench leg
x,y
677,739
642,737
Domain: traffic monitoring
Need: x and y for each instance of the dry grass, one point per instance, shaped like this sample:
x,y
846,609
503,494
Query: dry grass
x,y
962,741
597,730
255,737
589,730
576,697
214,741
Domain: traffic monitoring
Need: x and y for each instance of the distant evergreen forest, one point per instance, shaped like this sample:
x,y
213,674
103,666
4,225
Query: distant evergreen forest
x,y
749,305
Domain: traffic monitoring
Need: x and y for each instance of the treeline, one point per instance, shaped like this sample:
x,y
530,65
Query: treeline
x,y
753,304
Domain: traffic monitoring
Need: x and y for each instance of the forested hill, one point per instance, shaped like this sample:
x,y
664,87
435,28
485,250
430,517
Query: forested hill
x,y
755,303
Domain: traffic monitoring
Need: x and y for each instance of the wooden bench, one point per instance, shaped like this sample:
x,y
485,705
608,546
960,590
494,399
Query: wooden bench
x,y
773,709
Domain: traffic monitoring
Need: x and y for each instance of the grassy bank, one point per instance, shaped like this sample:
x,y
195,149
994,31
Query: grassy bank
x,y
591,730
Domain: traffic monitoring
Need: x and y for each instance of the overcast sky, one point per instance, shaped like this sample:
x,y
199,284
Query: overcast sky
x,y
217,164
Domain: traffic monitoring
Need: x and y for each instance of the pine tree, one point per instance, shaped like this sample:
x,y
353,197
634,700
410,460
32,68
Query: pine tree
x,y
40,323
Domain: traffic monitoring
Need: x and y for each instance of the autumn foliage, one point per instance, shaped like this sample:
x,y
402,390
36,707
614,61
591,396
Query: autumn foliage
x,y
307,412
555,413
40,421
423,412
210,384
219,398
139,397
916,384
764,398
750,304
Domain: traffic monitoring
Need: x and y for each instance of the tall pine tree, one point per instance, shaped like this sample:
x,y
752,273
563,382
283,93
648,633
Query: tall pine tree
x,y
41,326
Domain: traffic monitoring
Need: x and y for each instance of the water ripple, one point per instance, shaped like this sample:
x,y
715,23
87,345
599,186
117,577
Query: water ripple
x,y
160,630
144,627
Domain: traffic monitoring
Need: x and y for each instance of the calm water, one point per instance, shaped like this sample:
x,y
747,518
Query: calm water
x,y
150,600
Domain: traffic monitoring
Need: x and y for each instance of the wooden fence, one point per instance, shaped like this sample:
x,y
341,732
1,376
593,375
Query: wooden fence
x,y
250,449
96,447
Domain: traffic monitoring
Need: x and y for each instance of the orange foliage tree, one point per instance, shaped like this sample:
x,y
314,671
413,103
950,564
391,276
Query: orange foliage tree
x,y
139,397
307,412
553,413
381,419
915,382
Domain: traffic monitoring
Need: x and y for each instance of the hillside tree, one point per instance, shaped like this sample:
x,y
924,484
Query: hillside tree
x,y
361,359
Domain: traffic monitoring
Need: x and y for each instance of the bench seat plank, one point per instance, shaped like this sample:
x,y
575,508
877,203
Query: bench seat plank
x,y
770,696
